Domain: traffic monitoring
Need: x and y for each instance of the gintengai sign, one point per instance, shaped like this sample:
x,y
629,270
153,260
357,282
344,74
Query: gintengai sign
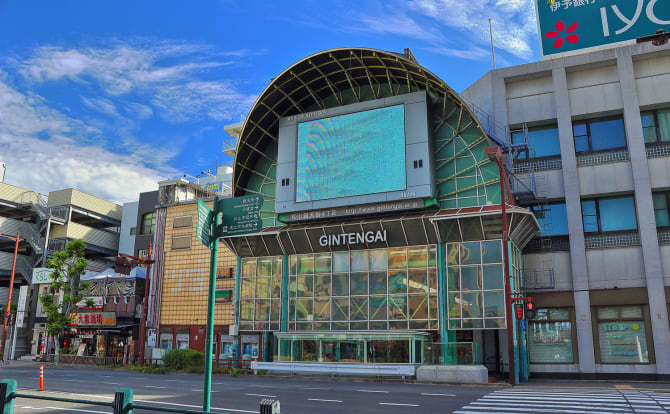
x,y
345,239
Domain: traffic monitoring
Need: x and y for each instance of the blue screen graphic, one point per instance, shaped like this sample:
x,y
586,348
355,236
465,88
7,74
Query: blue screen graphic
x,y
353,154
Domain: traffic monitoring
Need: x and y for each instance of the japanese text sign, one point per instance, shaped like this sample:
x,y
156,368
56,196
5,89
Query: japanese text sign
x,y
203,230
241,215
572,25
93,319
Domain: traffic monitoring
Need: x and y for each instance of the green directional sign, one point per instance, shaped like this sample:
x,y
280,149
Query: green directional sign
x,y
203,230
241,215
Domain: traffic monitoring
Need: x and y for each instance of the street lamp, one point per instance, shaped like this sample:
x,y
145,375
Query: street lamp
x,y
16,241
495,155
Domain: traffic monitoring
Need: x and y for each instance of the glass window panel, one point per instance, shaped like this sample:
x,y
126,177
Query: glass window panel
x,y
378,259
543,141
275,310
581,143
454,324
397,258
433,307
377,283
454,278
492,251
322,263
401,325
650,135
416,256
608,312
517,137
397,307
559,314
607,133
276,287
471,277
305,265
322,309
579,128
304,326
359,308
248,267
322,326
617,214
340,262
661,209
378,308
452,254
397,281
454,310
664,124
304,309
418,282
340,309
247,310
263,287
498,323
473,323
291,309
277,266
247,288
359,283
262,310
550,342
305,286
470,253
647,119
418,325
432,280
264,267
590,216
493,277
293,264
623,342
494,304
341,284
418,306
359,326
359,261
432,255
552,218
322,285
379,325
630,312
292,286
471,304
340,326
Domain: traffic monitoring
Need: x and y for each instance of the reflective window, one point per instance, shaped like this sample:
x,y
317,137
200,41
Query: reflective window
x,y
661,209
148,223
550,337
599,134
609,214
260,292
543,141
622,335
552,218
656,126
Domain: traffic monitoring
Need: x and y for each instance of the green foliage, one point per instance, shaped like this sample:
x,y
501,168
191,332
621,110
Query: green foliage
x,y
68,266
187,360
235,372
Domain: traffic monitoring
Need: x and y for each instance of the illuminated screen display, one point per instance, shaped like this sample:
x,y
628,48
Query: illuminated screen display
x,y
352,154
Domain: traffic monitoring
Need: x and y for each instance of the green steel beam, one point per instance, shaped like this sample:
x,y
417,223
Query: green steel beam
x,y
284,293
238,273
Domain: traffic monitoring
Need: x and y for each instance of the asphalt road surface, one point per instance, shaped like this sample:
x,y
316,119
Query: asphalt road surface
x,y
325,396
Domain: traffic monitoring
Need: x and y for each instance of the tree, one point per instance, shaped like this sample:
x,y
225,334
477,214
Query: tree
x,y
66,289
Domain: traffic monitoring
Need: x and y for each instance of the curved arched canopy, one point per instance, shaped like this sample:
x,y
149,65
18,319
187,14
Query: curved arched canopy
x,y
464,175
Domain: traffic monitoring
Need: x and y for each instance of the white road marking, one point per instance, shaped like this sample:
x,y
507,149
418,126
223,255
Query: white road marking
x,y
197,406
174,381
112,383
261,386
154,386
319,399
313,388
438,395
203,390
383,392
262,395
401,405
77,409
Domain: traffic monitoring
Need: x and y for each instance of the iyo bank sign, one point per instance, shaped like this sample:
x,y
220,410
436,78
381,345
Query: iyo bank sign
x,y
572,25
347,239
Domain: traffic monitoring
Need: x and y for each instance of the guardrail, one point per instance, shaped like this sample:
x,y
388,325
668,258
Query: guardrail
x,y
377,370
122,404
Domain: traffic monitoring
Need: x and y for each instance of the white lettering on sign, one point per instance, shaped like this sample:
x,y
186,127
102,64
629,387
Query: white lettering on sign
x,y
628,23
352,238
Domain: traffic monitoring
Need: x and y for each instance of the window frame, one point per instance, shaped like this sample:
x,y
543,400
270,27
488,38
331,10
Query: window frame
x,y
526,154
644,318
573,333
549,204
600,228
152,217
667,209
587,123
174,222
190,244
657,128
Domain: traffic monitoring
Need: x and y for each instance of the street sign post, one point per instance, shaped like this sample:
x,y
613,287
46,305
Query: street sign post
x,y
227,217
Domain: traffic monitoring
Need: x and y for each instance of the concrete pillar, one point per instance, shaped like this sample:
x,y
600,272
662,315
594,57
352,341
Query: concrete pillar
x,y
580,278
645,211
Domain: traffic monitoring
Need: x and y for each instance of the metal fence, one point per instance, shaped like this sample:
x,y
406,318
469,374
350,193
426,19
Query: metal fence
x,y
84,359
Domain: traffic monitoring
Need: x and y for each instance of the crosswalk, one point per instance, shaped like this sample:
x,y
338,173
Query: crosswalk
x,y
529,400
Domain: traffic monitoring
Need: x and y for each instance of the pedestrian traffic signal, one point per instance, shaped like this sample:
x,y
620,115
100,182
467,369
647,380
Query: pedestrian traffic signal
x,y
519,312
530,310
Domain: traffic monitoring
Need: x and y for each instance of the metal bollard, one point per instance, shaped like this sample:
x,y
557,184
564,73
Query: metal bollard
x,y
269,406
123,401
41,378
7,388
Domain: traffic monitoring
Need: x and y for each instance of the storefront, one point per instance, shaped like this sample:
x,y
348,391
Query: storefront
x,y
382,232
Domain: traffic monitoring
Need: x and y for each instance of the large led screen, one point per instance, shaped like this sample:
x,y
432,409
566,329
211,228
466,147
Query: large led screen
x,y
353,154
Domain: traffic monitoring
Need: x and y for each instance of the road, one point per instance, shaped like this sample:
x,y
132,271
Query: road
x,y
325,396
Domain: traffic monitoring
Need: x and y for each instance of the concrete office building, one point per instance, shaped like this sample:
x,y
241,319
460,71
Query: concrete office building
x,y
590,134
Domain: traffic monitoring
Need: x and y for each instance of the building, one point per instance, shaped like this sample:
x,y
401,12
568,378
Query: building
x,y
591,137
146,223
128,231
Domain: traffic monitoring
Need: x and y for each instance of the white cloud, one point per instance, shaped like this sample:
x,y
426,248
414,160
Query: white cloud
x,y
101,105
176,89
395,23
514,27
47,150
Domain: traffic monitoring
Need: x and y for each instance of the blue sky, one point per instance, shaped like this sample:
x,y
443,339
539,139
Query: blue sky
x,y
111,96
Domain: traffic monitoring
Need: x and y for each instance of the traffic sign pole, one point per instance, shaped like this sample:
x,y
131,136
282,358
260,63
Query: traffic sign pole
x,y
209,338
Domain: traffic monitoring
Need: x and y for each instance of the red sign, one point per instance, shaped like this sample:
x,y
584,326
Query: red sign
x,y
93,319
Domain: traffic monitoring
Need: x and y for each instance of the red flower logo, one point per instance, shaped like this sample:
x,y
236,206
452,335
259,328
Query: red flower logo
x,y
573,38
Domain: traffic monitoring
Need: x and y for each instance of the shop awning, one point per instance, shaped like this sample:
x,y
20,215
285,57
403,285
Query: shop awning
x,y
453,225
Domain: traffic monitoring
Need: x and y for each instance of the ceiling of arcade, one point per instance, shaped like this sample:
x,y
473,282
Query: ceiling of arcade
x,y
464,175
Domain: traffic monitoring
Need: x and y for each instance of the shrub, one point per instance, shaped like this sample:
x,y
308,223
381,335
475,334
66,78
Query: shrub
x,y
235,372
184,359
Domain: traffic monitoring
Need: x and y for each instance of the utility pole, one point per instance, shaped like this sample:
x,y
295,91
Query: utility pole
x,y
16,241
493,52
